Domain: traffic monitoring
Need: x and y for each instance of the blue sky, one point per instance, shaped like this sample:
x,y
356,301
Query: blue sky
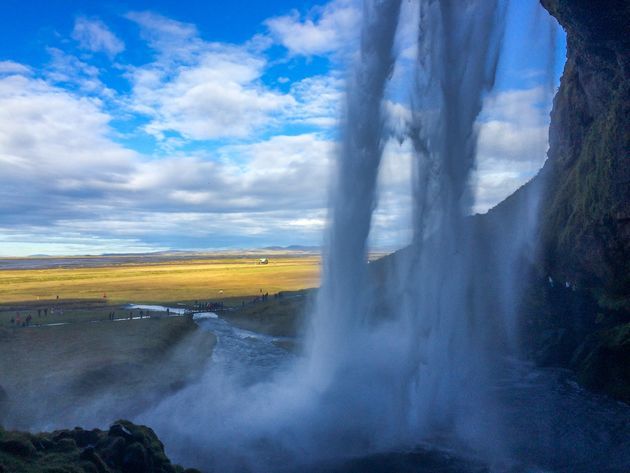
x,y
151,125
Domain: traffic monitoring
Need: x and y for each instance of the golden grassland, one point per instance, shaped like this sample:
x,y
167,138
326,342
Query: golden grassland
x,y
196,279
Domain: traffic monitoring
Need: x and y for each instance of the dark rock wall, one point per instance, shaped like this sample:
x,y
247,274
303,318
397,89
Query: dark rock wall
x,y
580,318
585,219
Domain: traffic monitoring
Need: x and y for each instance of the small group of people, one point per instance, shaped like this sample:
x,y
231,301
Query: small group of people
x,y
21,322
264,297
24,320
209,306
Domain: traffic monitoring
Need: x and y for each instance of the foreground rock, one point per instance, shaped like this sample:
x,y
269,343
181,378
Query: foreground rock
x,y
125,448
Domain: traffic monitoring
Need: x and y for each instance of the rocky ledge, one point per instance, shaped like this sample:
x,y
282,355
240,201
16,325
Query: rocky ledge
x,y
124,448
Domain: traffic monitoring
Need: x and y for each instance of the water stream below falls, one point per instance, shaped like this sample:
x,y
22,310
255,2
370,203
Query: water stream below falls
x,y
548,423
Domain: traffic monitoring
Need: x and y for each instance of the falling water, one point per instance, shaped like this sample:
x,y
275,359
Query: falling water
x,y
436,331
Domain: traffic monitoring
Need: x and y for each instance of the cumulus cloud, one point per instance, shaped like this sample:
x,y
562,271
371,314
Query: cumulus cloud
x,y
93,35
198,89
220,96
317,100
67,181
62,174
324,30
55,155
209,91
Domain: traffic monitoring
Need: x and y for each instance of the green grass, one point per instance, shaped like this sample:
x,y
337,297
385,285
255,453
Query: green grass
x,y
130,363
280,317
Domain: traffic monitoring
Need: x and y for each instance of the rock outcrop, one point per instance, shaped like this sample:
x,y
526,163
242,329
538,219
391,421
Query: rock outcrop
x,y
579,306
124,448
585,231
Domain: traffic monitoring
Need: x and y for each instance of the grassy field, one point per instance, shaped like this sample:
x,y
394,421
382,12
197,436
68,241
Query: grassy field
x,y
94,372
93,369
196,279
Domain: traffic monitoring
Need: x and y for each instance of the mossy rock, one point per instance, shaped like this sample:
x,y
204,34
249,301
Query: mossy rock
x,y
17,444
124,448
606,366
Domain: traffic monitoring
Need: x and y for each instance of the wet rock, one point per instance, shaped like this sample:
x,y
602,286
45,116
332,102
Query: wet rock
x,y
66,445
119,430
89,454
112,450
84,438
18,444
135,459
124,448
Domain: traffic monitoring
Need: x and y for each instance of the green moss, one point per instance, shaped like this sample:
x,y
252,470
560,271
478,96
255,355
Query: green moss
x,y
125,448
605,367
276,316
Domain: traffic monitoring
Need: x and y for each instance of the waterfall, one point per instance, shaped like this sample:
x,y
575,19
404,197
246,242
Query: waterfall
x,y
407,351
424,361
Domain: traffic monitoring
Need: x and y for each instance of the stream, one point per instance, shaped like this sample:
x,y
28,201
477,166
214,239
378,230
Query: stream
x,y
545,423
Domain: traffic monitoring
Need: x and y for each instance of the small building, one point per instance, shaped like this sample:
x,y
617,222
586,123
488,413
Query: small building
x,y
263,261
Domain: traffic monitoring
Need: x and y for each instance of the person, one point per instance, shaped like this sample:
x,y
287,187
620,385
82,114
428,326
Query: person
x,y
46,312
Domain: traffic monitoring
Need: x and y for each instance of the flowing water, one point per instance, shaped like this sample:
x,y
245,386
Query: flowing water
x,y
232,421
420,370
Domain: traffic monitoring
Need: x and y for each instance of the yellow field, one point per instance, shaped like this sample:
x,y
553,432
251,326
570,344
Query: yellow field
x,y
200,279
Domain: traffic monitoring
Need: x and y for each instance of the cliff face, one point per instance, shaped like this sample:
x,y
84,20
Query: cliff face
x,y
585,217
580,318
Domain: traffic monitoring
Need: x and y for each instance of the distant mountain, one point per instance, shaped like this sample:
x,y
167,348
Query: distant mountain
x,y
293,248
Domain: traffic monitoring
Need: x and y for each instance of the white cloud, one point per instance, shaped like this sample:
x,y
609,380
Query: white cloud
x,y
512,146
93,35
325,29
198,89
61,174
68,70
55,156
166,35
220,96
317,100
11,67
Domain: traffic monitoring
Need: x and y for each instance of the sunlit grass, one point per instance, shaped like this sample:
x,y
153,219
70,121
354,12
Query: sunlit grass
x,y
202,279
